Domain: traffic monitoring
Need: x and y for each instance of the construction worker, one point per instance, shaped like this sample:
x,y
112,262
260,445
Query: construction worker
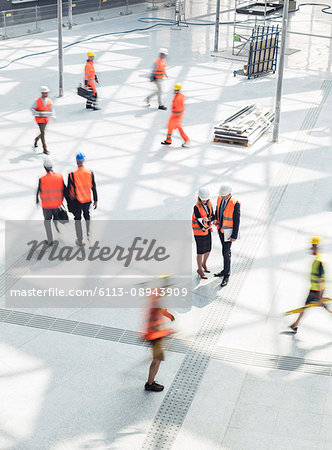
x,y
175,121
90,80
227,219
155,331
43,109
157,75
317,279
80,184
201,225
51,191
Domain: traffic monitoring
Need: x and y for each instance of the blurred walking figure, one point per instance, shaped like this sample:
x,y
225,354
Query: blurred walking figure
x,y
90,80
80,184
43,109
175,121
201,225
317,279
157,75
227,219
51,191
155,332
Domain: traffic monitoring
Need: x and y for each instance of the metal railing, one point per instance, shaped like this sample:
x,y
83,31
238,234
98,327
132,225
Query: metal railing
x,y
20,21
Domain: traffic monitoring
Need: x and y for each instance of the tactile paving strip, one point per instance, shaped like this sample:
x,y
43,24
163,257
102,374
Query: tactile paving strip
x,y
172,412
123,336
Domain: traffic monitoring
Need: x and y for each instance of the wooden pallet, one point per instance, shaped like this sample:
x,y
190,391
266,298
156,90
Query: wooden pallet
x,y
231,142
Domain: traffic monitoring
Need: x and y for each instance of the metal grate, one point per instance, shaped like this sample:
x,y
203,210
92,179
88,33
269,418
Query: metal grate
x,y
172,412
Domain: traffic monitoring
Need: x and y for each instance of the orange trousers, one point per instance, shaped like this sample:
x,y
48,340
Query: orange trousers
x,y
173,124
92,85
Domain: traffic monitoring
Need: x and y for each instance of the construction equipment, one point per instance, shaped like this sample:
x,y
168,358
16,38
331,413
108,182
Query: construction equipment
x,y
244,127
310,305
263,52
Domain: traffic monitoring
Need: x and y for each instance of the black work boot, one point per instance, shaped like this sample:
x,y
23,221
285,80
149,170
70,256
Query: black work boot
x,y
162,107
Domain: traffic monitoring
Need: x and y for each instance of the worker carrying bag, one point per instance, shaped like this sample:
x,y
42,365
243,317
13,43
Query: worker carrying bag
x,y
85,92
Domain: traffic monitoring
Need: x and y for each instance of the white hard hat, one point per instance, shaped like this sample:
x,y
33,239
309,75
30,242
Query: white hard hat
x,y
164,51
44,89
48,163
225,189
203,194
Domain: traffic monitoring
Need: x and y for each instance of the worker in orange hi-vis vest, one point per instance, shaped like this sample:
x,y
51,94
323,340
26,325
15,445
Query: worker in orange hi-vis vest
x,y
155,331
175,121
42,109
90,80
80,185
156,77
51,192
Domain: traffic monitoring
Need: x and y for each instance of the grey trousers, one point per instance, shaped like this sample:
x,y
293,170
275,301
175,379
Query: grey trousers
x,y
158,91
41,136
50,214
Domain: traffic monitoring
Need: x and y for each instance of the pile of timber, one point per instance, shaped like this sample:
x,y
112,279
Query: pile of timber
x,y
244,127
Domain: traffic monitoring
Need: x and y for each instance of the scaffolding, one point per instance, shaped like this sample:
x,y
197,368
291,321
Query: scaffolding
x,y
248,17
180,17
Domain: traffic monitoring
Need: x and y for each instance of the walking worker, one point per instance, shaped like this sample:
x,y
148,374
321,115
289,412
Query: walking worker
x,y
157,75
317,279
90,80
43,109
201,225
154,333
175,121
227,219
51,191
80,184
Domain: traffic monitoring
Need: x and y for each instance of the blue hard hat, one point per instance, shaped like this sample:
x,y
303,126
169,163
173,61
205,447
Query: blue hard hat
x,y
80,157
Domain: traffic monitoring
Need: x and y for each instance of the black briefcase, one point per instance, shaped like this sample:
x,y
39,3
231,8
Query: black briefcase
x,y
62,215
84,92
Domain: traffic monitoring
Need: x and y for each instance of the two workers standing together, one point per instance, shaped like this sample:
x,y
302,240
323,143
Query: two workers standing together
x,y
226,218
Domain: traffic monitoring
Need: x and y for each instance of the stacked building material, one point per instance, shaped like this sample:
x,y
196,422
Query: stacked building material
x,y
244,127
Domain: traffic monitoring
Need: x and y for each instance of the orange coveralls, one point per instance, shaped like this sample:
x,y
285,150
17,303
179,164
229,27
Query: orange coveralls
x,y
175,121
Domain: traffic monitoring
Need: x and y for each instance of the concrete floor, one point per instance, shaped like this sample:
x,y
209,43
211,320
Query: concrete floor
x,y
233,378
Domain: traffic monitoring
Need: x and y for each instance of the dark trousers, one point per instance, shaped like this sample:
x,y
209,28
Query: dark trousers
x,y
78,209
41,136
226,253
50,214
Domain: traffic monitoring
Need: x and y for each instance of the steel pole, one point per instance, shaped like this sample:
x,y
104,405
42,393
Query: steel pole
x,y
60,48
280,72
216,30
70,14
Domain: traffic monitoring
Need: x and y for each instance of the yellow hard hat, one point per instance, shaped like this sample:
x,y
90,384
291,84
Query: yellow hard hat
x,y
314,240
90,54
177,86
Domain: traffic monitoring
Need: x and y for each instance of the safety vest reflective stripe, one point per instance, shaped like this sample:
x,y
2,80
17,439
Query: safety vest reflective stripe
x,y
42,107
197,230
227,217
317,282
90,73
51,190
83,184
160,69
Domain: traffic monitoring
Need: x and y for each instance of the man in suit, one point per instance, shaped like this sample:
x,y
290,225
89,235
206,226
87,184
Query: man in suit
x,y
227,219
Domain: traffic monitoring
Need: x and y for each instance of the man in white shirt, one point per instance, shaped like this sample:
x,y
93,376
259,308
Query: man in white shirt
x,y
42,109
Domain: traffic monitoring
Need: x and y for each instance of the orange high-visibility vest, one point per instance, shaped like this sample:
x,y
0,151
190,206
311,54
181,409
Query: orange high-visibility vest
x,y
178,105
194,222
42,107
155,325
227,214
83,184
89,72
51,190
159,71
